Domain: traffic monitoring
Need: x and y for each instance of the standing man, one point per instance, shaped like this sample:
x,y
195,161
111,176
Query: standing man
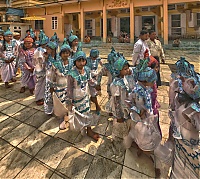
x,y
140,47
156,51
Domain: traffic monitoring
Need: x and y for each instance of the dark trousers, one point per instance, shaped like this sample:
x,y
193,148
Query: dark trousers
x,y
158,82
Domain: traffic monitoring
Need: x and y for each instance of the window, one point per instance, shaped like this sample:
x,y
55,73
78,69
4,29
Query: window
x,y
88,24
54,23
88,27
125,10
171,7
38,24
176,24
198,19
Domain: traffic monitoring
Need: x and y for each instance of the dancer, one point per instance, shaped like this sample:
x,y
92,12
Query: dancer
x,y
92,62
144,127
26,62
74,44
60,69
40,73
119,90
8,53
78,98
185,123
50,56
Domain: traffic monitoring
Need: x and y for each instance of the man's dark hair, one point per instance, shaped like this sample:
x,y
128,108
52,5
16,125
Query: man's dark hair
x,y
151,31
142,32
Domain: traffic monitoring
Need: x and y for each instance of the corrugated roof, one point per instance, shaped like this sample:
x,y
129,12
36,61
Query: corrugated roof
x,y
18,12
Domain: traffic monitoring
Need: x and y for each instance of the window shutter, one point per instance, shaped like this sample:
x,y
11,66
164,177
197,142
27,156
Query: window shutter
x,y
93,27
169,24
183,23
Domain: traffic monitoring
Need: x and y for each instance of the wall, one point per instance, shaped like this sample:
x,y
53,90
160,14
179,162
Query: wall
x,y
96,6
48,13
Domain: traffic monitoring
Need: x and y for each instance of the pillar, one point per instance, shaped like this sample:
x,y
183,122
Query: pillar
x,y
165,21
104,23
132,20
82,24
161,21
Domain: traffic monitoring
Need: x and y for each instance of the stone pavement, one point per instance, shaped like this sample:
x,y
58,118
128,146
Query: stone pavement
x,y
32,146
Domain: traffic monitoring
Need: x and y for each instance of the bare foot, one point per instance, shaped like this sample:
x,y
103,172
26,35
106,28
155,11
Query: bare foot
x,y
7,85
157,173
22,90
98,109
110,114
13,80
31,91
92,134
39,102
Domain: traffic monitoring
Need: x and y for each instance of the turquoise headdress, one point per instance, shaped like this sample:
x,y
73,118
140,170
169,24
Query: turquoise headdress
x,y
120,63
52,45
78,55
8,32
54,38
144,73
41,34
184,68
94,53
32,34
43,40
72,37
112,56
65,45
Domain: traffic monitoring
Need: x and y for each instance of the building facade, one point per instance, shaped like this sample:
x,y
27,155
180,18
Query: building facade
x,y
98,18
11,18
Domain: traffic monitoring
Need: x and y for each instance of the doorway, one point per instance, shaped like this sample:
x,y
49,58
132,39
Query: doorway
x,y
125,24
148,22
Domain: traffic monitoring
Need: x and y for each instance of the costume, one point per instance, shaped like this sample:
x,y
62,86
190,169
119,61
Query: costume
x,y
144,128
155,105
93,65
40,73
58,79
185,120
108,70
27,67
78,96
8,51
48,100
75,48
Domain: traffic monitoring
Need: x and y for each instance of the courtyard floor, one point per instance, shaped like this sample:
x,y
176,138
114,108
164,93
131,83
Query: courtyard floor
x,y
32,146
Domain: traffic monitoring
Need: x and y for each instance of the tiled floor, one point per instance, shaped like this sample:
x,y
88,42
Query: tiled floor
x,y
32,146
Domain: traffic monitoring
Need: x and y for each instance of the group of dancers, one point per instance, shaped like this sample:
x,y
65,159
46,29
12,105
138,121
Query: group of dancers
x,y
65,81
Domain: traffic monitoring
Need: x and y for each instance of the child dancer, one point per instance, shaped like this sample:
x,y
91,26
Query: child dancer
x,y
144,129
50,56
74,44
185,123
8,52
108,70
40,73
78,96
119,90
59,72
27,67
92,62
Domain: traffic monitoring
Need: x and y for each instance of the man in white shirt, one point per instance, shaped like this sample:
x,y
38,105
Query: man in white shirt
x,y
140,47
156,51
